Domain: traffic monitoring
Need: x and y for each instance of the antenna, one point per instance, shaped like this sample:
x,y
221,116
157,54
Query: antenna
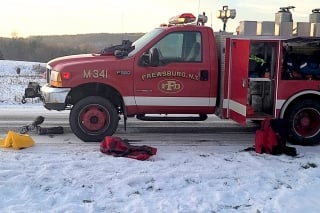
x,y
122,24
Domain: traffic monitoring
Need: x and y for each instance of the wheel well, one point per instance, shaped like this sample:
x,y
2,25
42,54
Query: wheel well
x,y
96,89
298,99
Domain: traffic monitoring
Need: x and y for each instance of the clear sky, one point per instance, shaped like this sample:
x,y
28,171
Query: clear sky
x,y
60,17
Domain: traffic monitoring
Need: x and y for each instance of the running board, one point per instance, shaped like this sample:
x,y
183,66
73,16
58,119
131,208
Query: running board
x,y
143,117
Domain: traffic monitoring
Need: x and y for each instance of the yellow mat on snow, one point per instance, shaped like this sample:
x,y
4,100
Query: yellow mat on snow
x,y
16,140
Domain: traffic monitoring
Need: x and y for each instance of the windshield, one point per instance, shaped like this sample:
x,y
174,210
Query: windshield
x,y
142,41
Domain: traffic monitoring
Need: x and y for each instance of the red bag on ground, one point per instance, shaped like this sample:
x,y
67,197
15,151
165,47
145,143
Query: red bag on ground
x,y
266,140
117,147
272,138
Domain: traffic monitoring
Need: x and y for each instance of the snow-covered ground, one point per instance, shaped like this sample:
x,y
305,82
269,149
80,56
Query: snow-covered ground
x,y
63,174
15,76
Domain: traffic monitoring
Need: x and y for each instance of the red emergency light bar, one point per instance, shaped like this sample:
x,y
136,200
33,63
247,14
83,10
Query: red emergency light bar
x,y
184,18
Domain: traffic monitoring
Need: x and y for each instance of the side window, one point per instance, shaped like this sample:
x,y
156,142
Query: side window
x,y
193,47
180,47
301,60
171,45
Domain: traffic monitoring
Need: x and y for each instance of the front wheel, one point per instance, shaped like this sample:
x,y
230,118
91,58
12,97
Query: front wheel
x,y
304,119
93,118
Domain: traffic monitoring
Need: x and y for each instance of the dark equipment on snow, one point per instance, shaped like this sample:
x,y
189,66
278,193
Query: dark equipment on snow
x,y
35,126
50,130
32,91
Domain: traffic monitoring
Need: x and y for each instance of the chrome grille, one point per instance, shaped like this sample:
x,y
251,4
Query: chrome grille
x,y
48,73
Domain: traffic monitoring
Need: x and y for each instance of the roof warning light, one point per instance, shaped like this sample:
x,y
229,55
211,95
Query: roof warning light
x,y
184,18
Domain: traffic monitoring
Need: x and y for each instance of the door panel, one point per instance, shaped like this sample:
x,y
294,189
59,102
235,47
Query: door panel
x,y
176,84
181,82
238,84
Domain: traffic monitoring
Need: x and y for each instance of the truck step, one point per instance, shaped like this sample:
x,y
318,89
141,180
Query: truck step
x,y
144,117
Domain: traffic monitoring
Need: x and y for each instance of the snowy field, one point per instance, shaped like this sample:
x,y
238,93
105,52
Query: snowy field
x,y
64,174
14,78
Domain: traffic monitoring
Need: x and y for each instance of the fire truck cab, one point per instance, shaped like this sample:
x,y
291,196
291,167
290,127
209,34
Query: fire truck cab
x,y
186,68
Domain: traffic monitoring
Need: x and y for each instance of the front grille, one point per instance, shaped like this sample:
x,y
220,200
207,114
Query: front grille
x,y
48,73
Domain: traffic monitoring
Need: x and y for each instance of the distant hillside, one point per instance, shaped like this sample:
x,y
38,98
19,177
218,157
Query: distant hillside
x,y
95,41
45,48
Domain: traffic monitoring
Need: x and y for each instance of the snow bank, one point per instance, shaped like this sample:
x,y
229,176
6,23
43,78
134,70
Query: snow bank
x,y
62,175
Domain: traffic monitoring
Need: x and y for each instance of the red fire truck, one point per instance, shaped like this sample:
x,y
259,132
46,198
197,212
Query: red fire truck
x,y
185,68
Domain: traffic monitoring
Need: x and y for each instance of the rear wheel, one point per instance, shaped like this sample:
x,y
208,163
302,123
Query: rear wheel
x,y
93,118
304,120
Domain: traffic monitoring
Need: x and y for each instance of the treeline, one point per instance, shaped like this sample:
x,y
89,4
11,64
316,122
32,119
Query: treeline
x,y
45,48
21,49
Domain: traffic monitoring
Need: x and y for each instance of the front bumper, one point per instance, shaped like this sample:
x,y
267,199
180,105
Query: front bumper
x,y
54,98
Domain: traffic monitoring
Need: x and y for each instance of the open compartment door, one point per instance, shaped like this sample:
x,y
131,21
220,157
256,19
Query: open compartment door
x,y
238,80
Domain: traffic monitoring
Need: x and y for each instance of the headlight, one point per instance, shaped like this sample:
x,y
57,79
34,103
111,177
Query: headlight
x,y
55,79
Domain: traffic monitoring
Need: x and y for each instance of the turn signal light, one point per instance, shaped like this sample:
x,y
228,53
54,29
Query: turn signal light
x,y
57,77
66,75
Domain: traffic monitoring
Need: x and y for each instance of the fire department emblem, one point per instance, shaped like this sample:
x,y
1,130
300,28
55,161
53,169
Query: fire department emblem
x,y
170,86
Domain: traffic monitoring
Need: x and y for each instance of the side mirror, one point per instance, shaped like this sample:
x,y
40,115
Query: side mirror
x,y
154,57
150,58
144,60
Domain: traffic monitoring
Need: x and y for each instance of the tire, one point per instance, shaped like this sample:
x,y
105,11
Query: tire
x,y
93,118
304,118
23,101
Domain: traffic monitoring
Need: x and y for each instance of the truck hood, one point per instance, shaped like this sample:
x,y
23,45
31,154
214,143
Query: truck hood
x,y
80,59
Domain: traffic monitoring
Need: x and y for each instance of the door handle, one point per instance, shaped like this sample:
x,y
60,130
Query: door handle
x,y
204,75
245,83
